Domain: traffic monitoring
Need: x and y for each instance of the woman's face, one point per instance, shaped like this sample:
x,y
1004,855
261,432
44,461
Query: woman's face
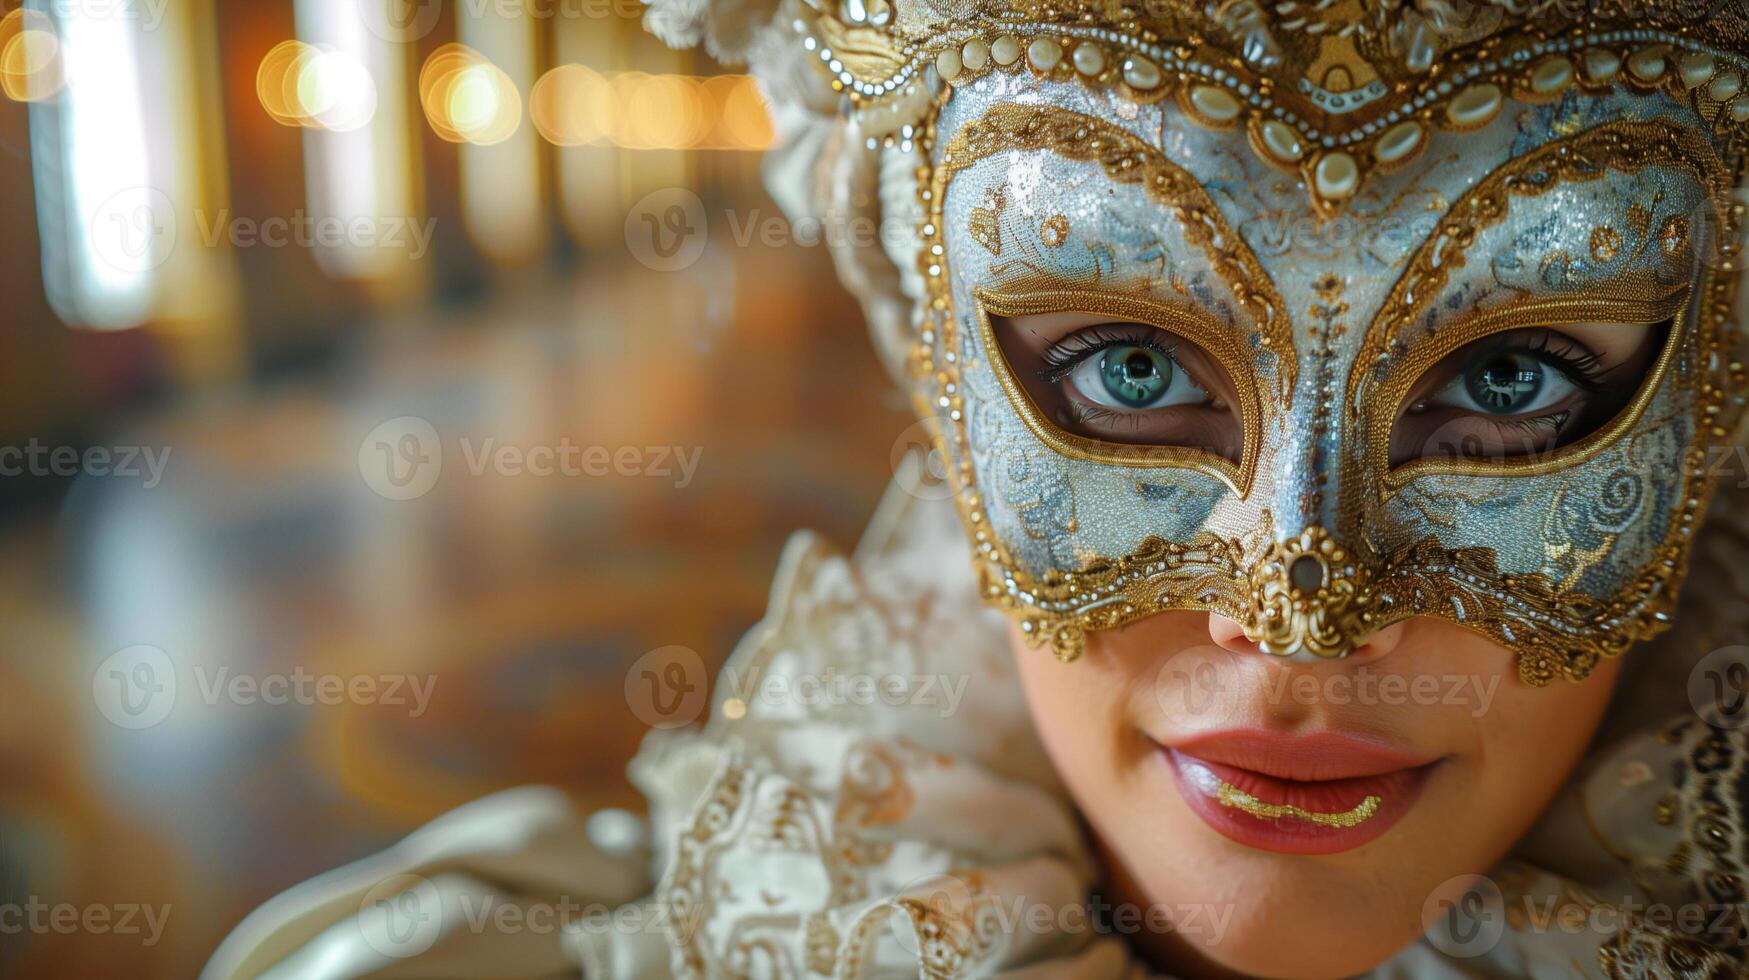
x,y
1309,818
1300,819
1158,370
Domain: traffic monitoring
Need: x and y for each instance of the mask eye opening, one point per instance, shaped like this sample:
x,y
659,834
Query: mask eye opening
x,y
1217,343
1501,371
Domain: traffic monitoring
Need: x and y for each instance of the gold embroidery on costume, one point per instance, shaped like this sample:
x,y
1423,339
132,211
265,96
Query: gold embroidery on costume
x,y
1705,799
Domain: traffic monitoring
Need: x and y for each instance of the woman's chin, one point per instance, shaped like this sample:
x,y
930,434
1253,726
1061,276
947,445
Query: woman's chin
x,y
1329,957
1316,924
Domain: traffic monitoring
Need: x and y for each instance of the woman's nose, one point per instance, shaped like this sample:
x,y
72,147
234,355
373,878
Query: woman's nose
x,y
1229,635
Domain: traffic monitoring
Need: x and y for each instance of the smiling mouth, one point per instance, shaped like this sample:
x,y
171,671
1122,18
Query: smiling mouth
x,y
1205,780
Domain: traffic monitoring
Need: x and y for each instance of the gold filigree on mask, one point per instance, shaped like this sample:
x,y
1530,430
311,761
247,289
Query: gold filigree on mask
x,y
1588,156
1556,631
1054,232
985,226
1332,92
1127,159
1308,594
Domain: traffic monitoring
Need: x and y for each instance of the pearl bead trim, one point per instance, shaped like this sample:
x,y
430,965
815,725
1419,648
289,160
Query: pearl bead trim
x,y
1334,161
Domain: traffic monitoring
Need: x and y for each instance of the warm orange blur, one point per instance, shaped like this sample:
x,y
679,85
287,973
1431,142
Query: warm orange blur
x,y
432,364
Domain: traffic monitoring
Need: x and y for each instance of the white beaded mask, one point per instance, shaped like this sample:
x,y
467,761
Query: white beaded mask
x,y
1300,267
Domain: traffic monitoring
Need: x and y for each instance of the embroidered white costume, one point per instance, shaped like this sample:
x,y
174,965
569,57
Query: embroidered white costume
x,y
858,841
1540,164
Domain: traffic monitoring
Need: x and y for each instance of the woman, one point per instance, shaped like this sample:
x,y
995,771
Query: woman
x,y
1335,390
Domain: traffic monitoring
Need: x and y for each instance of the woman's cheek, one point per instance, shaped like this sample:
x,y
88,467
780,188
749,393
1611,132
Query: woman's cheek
x,y
1532,738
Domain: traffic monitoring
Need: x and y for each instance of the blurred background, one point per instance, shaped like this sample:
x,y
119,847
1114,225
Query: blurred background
x,y
381,380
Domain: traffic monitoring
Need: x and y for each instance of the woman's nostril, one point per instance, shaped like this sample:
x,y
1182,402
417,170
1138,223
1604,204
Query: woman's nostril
x,y
1381,642
1229,635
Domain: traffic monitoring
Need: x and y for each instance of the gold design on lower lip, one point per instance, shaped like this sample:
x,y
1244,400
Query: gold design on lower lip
x,y
1238,799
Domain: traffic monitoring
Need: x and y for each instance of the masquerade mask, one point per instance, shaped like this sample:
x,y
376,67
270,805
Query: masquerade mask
x,y
1319,317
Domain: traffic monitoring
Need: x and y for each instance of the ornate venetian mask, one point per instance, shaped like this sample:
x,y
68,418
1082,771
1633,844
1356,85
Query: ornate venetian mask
x,y
1282,313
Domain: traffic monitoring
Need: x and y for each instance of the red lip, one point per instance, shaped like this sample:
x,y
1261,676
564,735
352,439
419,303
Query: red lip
x,y
1313,757
1322,773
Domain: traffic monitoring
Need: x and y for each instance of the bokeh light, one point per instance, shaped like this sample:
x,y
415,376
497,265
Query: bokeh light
x,y
467,99
571,105
30,56
658,111
335,91
240,262
306,85
743,123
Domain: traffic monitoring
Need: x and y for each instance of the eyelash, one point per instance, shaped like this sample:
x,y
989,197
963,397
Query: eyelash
x,y
1553,422
1090,414
1583,367
1065,355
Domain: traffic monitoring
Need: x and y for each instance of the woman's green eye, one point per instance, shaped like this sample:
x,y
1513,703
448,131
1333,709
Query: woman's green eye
x,y
1135,376
1129,375
1505,385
